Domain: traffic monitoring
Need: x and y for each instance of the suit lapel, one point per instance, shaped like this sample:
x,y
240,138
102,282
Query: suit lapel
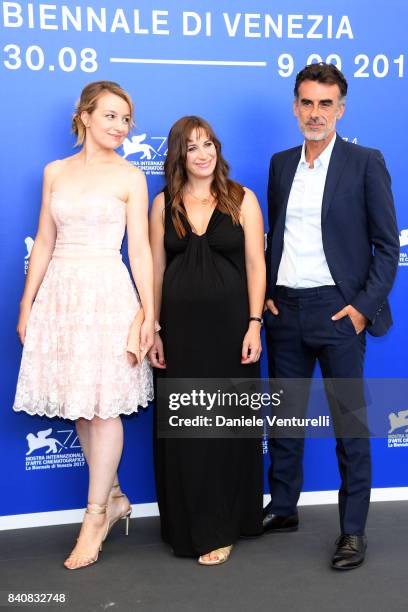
x,y
286,179
285,185
337,162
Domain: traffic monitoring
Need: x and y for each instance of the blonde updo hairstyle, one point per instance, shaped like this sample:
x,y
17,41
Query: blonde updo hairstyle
x,y
88,101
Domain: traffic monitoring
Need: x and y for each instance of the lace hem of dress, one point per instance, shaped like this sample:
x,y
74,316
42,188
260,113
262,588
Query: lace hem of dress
x,y
53,410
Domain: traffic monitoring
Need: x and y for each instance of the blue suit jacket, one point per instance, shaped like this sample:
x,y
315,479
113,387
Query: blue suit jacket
x,y
359,229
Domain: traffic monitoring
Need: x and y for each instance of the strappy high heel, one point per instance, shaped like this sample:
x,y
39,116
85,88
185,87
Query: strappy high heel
x,y
115,495
86,559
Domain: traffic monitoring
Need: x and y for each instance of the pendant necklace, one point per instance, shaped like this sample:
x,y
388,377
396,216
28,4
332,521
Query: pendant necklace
x,y
204,201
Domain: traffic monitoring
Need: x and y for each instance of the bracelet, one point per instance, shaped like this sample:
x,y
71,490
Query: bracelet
x,y
256,319
157,327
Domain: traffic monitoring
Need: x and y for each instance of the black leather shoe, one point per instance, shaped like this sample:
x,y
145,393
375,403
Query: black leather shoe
x,y
350,552
272,523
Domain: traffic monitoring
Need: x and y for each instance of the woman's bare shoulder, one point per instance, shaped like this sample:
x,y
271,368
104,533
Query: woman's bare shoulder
x,y
250,200
158,200
130,173
55,167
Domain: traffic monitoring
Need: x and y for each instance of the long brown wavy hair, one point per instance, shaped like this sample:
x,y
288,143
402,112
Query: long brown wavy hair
x,y
227,193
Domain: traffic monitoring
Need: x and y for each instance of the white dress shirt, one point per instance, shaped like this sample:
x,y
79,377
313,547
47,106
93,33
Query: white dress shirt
x,y
303,264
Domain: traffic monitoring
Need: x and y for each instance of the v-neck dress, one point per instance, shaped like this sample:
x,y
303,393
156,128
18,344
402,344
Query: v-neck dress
x,y
209,490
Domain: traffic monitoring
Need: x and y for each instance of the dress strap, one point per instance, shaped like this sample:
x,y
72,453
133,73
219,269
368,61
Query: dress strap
x,y
168,219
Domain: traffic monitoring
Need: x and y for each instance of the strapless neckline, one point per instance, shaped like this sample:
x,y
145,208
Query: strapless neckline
x,y
75,362
59,194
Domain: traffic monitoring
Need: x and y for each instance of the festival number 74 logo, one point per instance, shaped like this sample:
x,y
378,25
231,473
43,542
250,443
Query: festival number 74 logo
x,y
136,146
68,440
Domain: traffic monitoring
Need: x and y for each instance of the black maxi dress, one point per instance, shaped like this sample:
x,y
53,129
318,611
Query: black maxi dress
x,y
209,491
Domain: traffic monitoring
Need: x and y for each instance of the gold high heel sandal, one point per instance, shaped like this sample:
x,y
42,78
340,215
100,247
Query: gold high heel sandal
x,y
90,509
222,555
125,516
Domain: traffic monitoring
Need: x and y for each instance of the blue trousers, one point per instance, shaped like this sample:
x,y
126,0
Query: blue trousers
x,y
302,334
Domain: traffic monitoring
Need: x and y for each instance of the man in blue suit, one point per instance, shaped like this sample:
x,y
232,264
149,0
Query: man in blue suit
x,y
332,256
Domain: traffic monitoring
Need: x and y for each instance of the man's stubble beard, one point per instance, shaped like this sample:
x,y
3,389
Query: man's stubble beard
x,y
312,136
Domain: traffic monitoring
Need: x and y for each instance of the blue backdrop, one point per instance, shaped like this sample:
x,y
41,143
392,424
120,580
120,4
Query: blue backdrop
x,y
234,63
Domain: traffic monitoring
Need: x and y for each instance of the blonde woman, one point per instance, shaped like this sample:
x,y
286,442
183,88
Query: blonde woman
x,y
79,304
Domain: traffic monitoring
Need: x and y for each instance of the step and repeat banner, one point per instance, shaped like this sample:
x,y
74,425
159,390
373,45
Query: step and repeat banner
x,y
234,63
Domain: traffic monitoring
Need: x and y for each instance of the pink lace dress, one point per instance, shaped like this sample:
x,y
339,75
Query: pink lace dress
x,y
74,361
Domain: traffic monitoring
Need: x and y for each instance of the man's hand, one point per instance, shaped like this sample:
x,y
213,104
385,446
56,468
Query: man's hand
x,y
270,305
358,320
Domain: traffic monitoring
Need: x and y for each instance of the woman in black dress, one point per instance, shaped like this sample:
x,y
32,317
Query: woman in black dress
x,y
207,241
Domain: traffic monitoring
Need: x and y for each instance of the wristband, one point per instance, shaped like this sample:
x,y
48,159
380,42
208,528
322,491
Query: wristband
x,y
256,319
